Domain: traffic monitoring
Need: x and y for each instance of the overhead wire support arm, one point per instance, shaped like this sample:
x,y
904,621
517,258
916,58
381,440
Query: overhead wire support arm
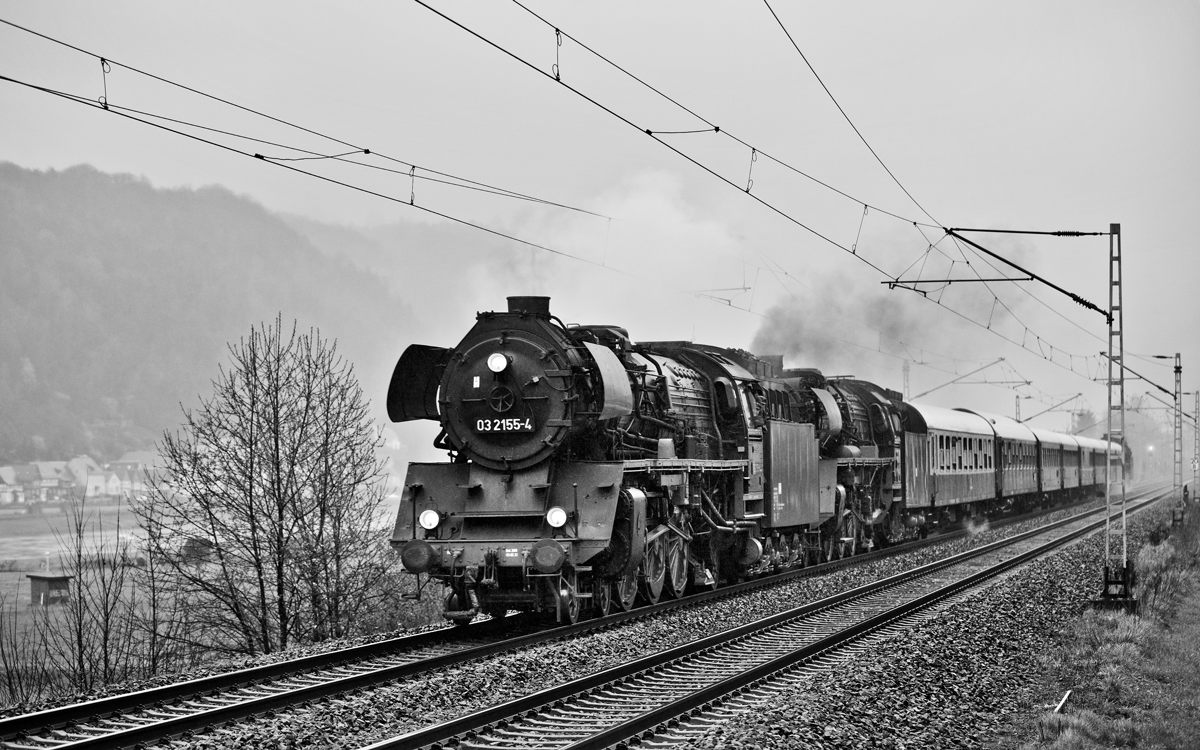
x,y
893,283
1034,277
1129,369
1168,407
1052,408
952,382
1027,231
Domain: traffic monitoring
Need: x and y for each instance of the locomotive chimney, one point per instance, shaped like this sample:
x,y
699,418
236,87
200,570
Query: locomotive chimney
x,y
539,306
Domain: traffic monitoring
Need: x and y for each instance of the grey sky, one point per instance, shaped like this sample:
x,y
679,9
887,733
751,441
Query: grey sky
x,y
1028,115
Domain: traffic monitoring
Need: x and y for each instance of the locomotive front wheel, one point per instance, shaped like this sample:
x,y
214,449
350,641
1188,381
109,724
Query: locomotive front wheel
x,y
652,573
625,590
568,601
677,567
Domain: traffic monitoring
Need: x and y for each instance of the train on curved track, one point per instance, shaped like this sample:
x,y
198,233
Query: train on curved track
x,y
588,473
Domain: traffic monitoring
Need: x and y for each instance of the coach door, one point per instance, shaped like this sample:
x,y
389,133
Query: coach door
x,y
915,457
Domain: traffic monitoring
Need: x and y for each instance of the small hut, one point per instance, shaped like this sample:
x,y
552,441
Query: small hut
x,y
46,589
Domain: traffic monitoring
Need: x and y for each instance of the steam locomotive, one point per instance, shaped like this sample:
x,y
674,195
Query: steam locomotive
x,y
588,473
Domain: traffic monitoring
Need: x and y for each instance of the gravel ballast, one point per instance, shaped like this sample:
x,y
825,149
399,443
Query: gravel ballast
x,y
354,721
955,681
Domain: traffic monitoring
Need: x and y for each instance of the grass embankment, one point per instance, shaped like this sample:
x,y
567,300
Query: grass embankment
x,y
1134,680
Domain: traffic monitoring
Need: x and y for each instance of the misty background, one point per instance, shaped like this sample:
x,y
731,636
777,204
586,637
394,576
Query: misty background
x,y
130,256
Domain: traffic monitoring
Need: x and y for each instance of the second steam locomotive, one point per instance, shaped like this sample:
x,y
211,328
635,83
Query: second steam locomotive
x,y
588,472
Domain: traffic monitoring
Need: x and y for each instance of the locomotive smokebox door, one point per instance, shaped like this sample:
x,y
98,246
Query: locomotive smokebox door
x,y
508,391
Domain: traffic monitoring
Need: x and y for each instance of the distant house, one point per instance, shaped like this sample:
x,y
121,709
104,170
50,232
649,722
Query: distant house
x,y
134,469
102,484
79,468
30,479
11,490
93,485
54,482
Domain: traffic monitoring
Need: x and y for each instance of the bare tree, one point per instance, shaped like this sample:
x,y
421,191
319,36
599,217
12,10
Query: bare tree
x,y
90,640
264,514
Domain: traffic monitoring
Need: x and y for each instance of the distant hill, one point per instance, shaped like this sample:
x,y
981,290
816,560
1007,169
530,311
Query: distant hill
x,y
117,300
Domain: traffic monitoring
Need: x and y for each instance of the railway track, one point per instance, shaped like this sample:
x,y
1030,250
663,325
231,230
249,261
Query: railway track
x,y
665,697
179,709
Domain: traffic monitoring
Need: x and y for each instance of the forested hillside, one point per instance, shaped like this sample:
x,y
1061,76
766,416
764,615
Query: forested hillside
x,y
117,300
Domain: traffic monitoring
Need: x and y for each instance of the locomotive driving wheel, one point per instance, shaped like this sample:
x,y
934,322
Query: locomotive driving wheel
x,y
677,567
831,547
652,573
604,601
625,590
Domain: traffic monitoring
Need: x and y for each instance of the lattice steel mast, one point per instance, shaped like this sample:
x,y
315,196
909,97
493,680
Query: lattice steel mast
x,y
1178,428
1118,583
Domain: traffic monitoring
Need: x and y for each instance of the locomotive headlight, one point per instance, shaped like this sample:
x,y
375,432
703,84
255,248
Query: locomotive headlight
x,y
556,517
429,519
497,363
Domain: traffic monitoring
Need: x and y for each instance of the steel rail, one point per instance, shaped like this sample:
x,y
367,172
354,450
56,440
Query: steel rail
x,y
659,718
500,715
74,715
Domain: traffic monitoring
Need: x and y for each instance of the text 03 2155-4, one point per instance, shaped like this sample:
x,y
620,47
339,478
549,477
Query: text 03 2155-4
x,y
510,424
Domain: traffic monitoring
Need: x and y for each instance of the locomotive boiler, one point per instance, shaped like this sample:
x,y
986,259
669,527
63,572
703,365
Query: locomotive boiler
x,y
588,472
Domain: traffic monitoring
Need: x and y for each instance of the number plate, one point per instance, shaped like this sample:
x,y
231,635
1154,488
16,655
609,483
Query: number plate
x,y
509,424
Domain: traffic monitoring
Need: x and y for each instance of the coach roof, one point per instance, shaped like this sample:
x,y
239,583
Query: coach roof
x,y
952,420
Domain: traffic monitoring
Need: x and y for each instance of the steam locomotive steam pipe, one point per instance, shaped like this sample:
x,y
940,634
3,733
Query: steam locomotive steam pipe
x,y
714,525
657,421
632,436
721,523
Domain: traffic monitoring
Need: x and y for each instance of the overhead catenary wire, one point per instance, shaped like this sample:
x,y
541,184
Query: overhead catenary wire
x,y
832,98
754,149
126,114
780,212
86,101
711,125
308,153
466,183
453,181
267,158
